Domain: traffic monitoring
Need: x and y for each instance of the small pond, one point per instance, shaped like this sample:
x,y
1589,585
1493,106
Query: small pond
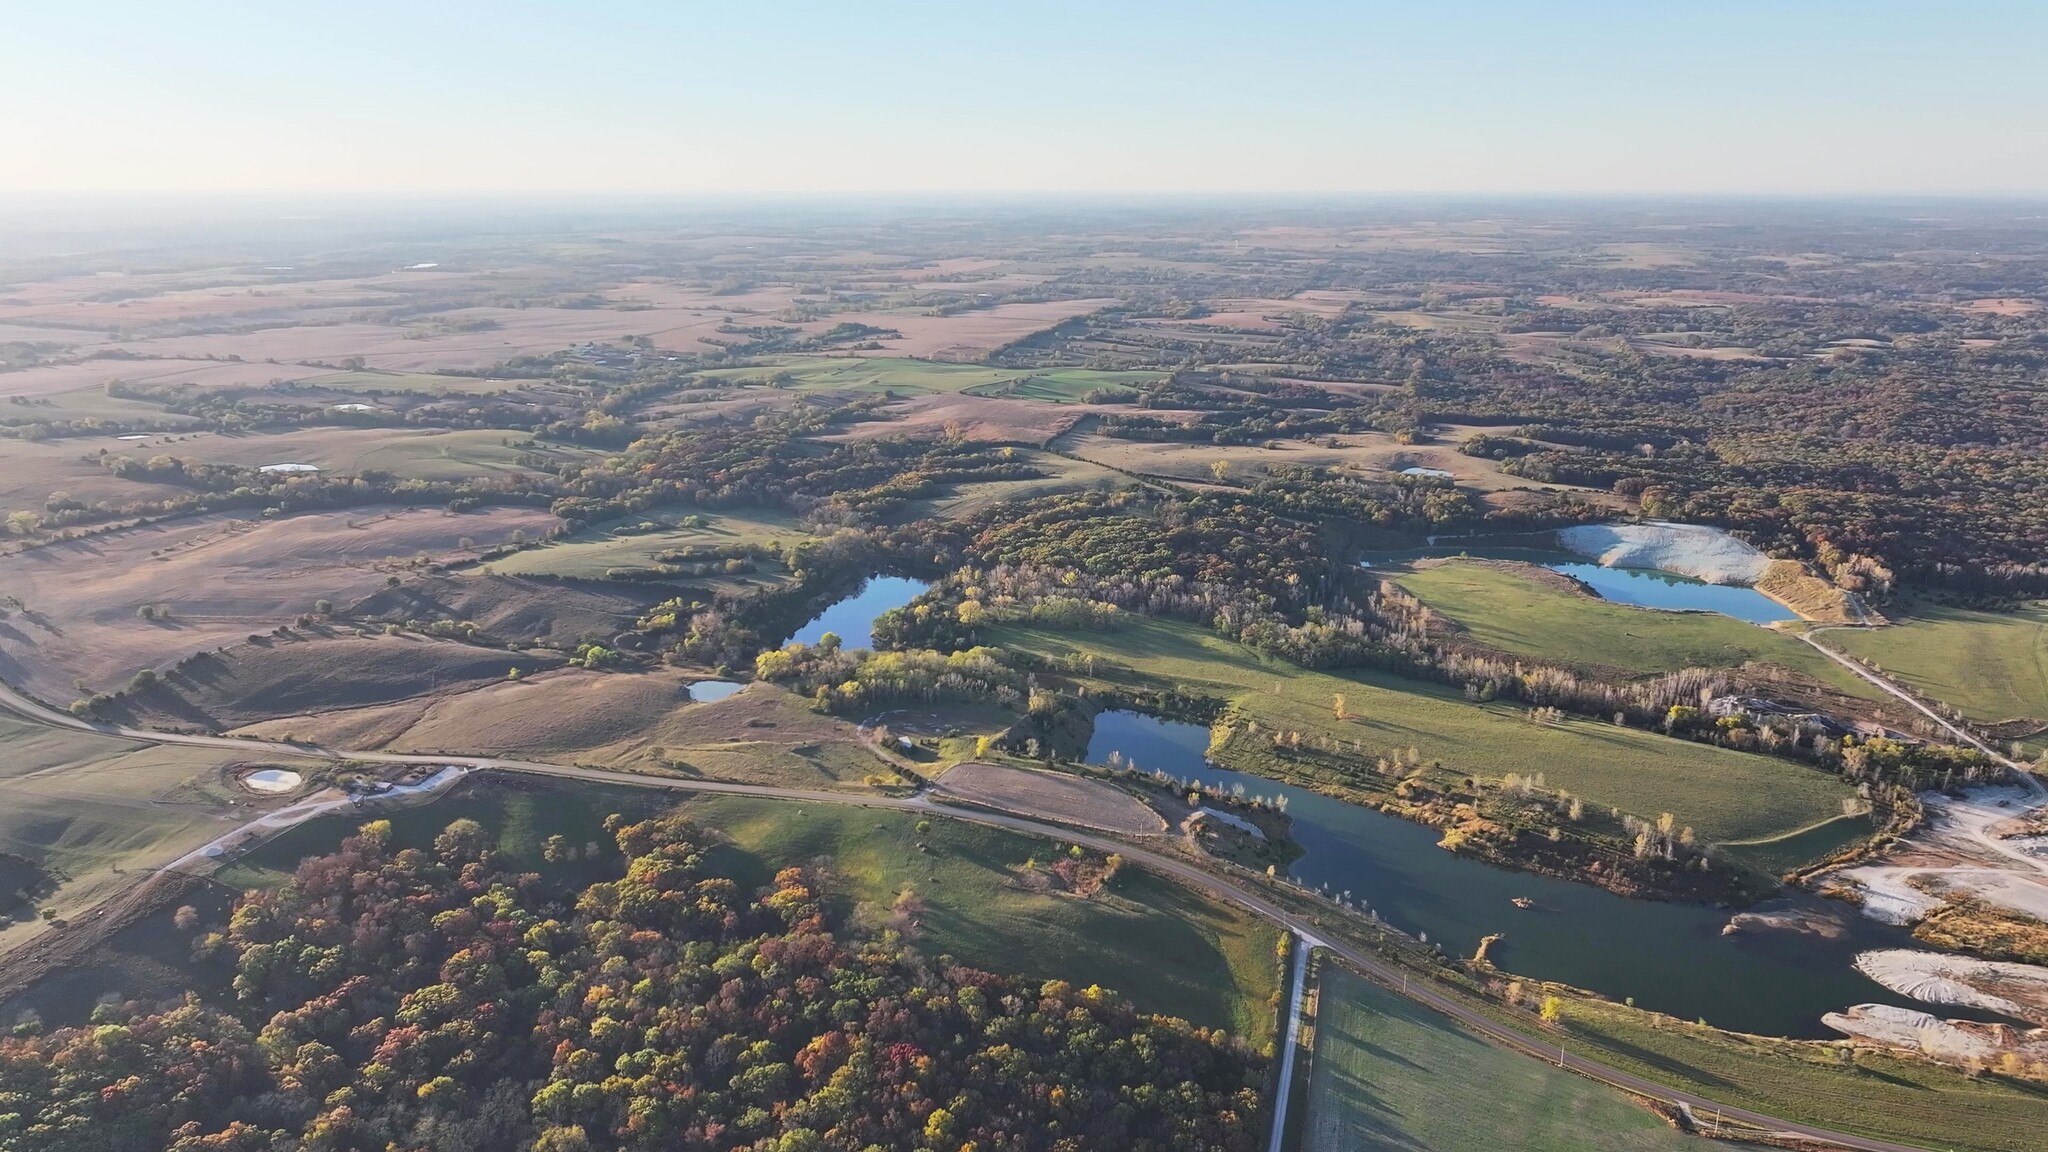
x,y
853,618
273,780
706,691
1669,957
1438,473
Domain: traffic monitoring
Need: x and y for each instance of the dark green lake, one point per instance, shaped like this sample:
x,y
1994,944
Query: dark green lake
x,y
1669,957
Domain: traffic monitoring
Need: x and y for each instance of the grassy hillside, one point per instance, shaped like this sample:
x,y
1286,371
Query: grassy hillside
x,y
1389,1074
1505,609
89,811
1992,665
1166,948
1724,795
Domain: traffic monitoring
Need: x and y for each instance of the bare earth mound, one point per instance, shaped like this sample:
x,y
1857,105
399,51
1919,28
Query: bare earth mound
x,y
1067,798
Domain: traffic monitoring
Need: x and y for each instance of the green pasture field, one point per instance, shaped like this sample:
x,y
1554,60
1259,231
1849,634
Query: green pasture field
x,y
1789,851
1722,794
1514,613
618,544
1389,1074
1064,474
89,811
461,455
1992,665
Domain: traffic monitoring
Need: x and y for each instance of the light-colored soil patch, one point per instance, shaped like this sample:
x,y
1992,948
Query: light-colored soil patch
x,y
1789,583
222,577
1050,794
2004,306
1963,848
1703,553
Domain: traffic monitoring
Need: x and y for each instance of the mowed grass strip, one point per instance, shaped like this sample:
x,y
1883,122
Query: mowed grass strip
x,y
1166,948
1721,794
1390,1074
1518,614
1992,665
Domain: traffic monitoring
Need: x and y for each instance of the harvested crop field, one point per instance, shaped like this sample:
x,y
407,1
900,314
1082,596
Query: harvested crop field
x,y
512,608
276,677
971,335
557,714
221,579
1050,794
56,379
997,420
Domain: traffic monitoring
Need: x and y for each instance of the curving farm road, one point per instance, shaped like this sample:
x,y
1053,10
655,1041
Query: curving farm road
x,y
1378,970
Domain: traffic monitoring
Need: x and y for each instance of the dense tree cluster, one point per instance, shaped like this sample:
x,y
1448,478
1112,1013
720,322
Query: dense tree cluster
x,y
776,461
409,999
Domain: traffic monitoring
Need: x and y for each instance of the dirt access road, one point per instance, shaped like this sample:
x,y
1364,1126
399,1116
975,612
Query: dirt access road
x,y
1370,966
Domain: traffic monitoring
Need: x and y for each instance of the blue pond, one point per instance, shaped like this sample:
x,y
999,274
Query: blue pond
x,y
706,691
853,618
1651,588
1669,957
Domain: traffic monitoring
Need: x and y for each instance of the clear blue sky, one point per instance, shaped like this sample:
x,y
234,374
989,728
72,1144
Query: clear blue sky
x,y
796,96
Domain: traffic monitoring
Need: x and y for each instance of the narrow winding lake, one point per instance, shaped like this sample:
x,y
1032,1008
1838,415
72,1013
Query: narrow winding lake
x,y
1669,957
853,618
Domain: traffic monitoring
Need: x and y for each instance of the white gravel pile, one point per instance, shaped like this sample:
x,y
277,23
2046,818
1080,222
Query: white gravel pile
x,y
1688,549
2016,990
1916,1031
